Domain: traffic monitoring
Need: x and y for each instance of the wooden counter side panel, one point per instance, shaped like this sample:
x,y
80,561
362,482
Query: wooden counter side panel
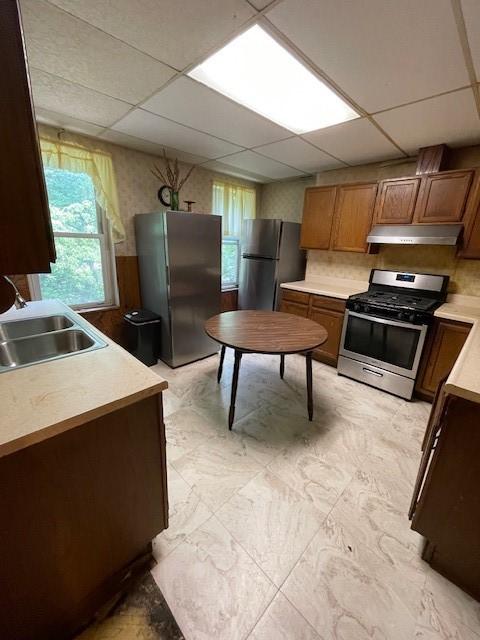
x,y
77,509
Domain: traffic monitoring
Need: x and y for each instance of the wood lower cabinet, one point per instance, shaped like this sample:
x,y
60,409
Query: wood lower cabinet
x,y
317,219
353,216
328,312
445,506
80,510
26,239
396,200
443,197
444,345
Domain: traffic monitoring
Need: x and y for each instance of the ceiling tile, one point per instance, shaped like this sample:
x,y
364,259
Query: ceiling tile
x,y
177,33
67,47
451,118
58,95
260,4
299,154
382,53
471,13
195,105
221,167
255,163
152,148
148,126
62,121
354,142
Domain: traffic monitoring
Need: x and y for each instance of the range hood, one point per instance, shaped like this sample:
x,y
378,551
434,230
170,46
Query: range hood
x,y
446,234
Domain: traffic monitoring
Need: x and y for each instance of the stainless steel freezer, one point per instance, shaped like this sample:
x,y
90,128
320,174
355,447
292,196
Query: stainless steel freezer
x,y
271,255
179,257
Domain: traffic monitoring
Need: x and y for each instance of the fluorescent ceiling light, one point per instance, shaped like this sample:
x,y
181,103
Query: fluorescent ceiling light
x,y
256,71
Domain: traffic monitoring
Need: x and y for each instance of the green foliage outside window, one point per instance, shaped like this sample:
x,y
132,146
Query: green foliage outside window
x,y
77,276
230,251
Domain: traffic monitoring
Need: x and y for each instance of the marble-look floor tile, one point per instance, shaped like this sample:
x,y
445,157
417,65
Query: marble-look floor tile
x,y
212,586
272,522
344,597
186,513
440,625
447,599
281,621
217,469
316,475
186,430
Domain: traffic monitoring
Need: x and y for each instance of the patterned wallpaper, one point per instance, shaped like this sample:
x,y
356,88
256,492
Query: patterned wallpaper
x,y
137,187
284,199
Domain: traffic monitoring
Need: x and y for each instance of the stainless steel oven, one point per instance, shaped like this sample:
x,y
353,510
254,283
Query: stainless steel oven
x,y
385,328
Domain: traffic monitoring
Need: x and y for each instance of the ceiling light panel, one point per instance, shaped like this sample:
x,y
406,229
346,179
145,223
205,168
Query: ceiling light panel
x,y
256,71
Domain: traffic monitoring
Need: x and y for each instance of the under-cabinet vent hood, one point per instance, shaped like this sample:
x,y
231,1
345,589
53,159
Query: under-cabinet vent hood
x,y
446,234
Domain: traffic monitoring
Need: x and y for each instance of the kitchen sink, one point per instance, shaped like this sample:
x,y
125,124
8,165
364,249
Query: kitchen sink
x,y
15,353
33,326
34,340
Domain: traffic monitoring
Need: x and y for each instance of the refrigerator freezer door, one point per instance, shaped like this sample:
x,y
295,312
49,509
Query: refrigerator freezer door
x,y
257,284
193,252
261,238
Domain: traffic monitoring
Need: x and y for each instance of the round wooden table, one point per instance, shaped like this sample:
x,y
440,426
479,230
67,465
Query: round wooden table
x,y
270,332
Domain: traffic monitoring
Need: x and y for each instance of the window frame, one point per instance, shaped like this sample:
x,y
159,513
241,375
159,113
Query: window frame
x,y
232,284
107,257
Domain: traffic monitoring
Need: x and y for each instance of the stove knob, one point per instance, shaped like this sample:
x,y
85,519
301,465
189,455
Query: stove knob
x,y
411,317
400,315
366,309
357,306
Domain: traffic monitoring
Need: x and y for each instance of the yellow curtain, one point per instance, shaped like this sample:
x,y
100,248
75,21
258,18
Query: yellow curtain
x,y
235,204
98,165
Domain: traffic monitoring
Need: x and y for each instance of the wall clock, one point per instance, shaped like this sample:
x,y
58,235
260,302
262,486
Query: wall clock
x,y
165,195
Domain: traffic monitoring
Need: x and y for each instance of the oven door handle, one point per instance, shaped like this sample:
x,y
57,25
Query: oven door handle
x,y
396,323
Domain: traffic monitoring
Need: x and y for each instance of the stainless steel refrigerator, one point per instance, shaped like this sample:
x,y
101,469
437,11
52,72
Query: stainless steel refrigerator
x,y
179,258
271,255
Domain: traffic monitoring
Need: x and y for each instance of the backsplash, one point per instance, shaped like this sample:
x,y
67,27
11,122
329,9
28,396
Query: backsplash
x,y
464,274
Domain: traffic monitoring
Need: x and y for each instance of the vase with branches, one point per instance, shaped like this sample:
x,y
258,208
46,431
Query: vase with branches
x,y
170,176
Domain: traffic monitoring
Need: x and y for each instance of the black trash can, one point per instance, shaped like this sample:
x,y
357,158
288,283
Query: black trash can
x,y
143,335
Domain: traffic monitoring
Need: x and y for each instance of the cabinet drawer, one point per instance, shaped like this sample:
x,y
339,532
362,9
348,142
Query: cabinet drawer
x,y
324,302
295,308
295,296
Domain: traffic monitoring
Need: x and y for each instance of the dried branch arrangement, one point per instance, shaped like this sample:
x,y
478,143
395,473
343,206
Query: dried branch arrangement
x,y
170,175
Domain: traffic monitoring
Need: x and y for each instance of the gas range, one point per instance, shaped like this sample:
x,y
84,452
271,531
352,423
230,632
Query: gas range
x,y
385,328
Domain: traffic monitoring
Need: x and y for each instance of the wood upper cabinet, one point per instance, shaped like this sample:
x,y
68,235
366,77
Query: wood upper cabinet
x,y
443,197
317,220
353,215
26,240
444,346
471,237
396,201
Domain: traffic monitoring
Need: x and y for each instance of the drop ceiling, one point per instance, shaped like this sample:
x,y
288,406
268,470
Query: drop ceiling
x,y
118,71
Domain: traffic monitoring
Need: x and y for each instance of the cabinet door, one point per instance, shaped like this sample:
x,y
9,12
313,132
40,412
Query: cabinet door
x,y
448,340
26,241
317,219
353,217
333,322
396,200
294,307
443,197
470,247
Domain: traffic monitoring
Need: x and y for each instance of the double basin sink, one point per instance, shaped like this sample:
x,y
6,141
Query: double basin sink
x,y
34,340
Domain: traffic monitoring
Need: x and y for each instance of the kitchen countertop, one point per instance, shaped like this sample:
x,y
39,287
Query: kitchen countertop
x,y
45,399
464,379
326,286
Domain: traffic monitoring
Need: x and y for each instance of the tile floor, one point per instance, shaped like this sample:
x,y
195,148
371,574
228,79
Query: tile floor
x,y
289,530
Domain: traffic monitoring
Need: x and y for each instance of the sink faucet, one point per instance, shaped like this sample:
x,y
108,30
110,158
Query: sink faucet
x,y
19,299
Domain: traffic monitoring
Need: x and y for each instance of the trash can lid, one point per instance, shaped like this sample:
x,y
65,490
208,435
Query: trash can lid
x,y
141,316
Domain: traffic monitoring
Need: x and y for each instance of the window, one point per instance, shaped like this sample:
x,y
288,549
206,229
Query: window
x,y
235,204
84,274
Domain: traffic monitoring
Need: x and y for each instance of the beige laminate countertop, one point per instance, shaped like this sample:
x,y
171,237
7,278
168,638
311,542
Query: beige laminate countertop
x,y
332,287
43,400
464,379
